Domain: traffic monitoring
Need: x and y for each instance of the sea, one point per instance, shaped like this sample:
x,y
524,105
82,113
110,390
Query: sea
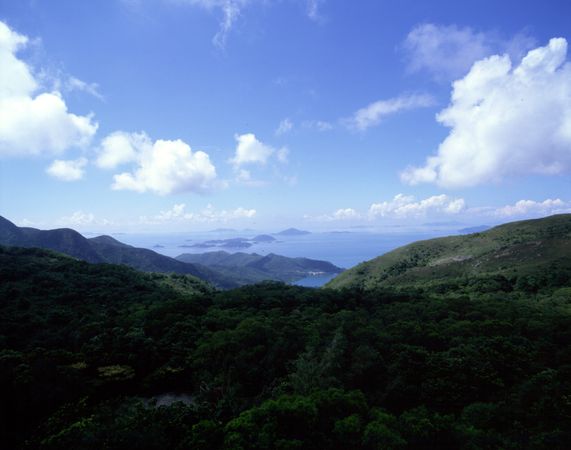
x,y
344,249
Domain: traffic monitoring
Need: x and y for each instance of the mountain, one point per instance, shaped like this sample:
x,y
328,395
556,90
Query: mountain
x,y
253,268
63,240
530,254
104,249
219,268
292,232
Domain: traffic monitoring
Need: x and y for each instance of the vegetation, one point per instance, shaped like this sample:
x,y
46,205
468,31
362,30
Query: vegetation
x,y
249,268
221,269
531,253
87,351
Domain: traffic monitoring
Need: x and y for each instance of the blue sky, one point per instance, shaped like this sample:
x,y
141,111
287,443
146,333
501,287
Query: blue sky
x,y
194,114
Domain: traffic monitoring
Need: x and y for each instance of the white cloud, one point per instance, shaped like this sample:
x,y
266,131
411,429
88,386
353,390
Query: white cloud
x,y
120,148
448,52
374,113
342,214
531,207
249,150
284,127
75,84
505,121
346,214
78,218
33,123
67,170
207,215
231,11
81,219
402,206
162,167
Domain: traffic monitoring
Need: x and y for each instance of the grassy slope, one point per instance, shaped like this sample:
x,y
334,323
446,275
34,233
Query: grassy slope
x,y
513,250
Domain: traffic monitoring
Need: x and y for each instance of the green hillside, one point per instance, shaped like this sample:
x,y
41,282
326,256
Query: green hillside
x,y
528,254
248,268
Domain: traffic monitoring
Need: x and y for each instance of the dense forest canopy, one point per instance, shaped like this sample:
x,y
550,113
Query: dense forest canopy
x,y
89,351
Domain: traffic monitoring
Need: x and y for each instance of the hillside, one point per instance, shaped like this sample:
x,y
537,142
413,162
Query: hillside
x,y
222,269
252,268
105,249
100,356
529,253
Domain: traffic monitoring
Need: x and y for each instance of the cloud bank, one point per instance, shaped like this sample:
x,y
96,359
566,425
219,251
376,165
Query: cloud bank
x,y
505,121
403,206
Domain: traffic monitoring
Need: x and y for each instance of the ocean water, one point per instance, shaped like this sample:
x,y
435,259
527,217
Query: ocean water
x,y
342,249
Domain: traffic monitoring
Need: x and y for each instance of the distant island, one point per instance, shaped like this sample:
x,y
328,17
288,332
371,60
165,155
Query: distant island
x,y
221,269
233,243
292,232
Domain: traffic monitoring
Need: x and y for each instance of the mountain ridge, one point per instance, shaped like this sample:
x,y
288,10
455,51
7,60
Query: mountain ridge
x,y
521,250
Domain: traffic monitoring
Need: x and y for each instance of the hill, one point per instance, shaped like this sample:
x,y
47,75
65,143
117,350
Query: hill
x,y
292,232
224,271
104,249
252,268
529,253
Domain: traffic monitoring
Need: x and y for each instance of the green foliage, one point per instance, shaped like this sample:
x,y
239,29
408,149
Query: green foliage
x,y
529,257
88,354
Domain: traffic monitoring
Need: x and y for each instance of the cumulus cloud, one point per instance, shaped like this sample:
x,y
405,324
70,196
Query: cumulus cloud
x,y
67,170
284,127
448,52
402,206
249,150
374,113
209,214
32,122
346,214
505,121
121,147
534,208
161,167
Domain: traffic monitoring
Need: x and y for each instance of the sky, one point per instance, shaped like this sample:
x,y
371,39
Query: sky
x,y
182,115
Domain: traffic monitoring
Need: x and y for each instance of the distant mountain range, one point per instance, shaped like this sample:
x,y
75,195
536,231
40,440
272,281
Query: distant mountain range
x,y
252,268
105,249
529,252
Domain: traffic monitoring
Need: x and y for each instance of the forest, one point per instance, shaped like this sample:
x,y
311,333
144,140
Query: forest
x,y
88,350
